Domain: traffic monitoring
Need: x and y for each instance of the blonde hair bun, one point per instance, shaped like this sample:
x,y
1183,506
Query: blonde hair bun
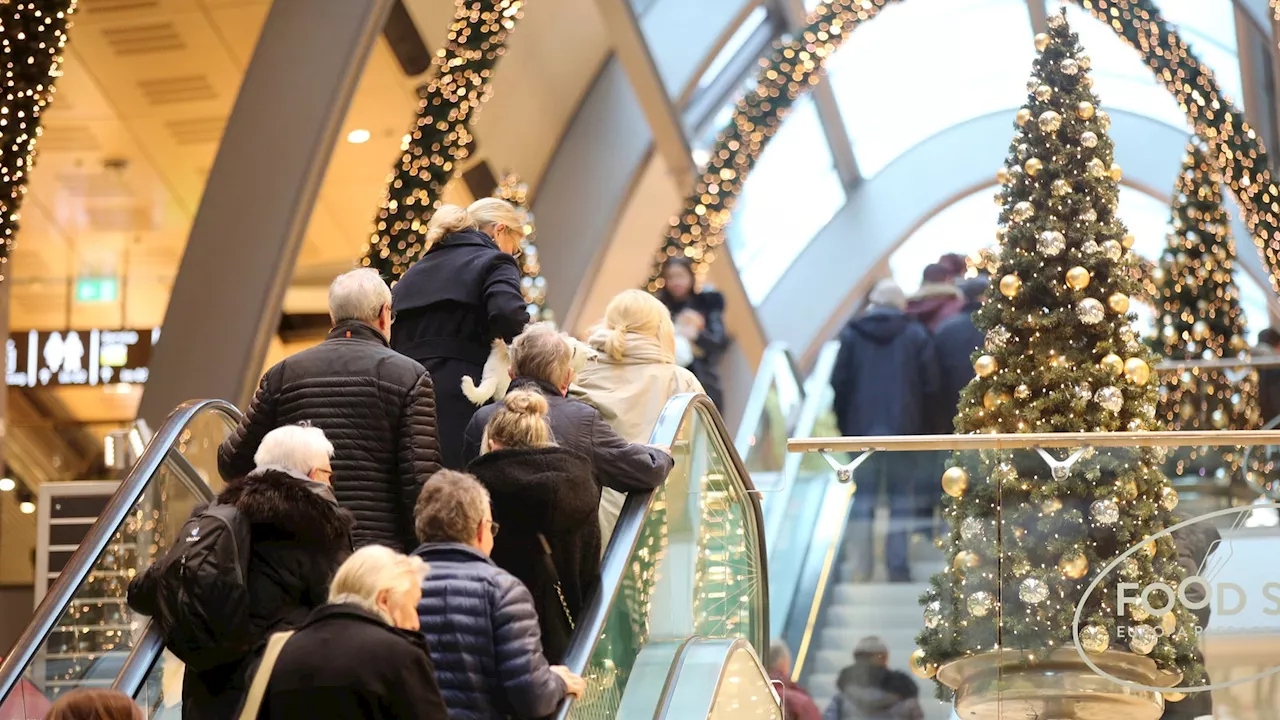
x,y
524,402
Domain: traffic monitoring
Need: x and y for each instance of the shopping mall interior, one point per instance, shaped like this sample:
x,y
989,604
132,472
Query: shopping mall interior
x,y
960,451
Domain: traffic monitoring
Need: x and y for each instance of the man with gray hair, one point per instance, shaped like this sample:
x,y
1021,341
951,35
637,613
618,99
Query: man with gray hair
x,y
375,405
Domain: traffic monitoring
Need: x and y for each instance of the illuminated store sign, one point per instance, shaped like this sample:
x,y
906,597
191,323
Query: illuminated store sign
x,y
78,357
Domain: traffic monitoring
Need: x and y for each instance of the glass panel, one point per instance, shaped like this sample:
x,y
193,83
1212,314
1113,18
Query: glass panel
x,y
776,216
199,443
89,643
160,696
768,418
1209,29
744,690
695,569
904,45
731,47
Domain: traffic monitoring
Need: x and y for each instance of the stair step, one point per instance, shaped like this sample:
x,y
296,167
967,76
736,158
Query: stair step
x,y
855,614
870,595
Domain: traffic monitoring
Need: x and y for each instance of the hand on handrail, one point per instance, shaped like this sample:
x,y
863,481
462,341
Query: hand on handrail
x,y
574,684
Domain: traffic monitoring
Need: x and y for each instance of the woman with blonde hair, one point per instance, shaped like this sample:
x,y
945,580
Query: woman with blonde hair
x,y
454,302
545,497
359,656
632,377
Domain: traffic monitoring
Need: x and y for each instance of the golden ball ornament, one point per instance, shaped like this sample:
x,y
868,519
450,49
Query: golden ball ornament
x,y
1137,371
965,559
1023,117
1073,565
1095,639
986,366
1116,172
1173,696
922,668
1113,364
1085,110
1043,93
1150,548
1033,166
1077,278
1104,120
1010,285
1022,392
955,481
1042,41
1128,240
993,399
1119,303
1168,498
1169,624
1003,177
1129,491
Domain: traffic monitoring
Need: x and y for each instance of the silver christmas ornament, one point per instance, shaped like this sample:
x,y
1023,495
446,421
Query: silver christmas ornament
x,y
1033,590
1023,211
1049,121
1051,242
1130,568
1142,639
1089,139
1094,639
1089,216
1084,391
1105,511
1110,398
1070,67
1112,249
1090,248
1060,187
998,337
933,614
972,529
981,603
1090,311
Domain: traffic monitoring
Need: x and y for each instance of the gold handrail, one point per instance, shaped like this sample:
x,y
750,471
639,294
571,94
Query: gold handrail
x,y
1016,441
1264,361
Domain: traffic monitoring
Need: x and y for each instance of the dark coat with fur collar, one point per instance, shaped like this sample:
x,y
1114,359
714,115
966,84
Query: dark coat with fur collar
x,y
299,538
552,492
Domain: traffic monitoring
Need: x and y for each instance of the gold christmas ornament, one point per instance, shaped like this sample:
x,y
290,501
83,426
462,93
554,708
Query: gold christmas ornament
x,y
1173,696
1042,41
1095,168
1051,506
1137,371
1113,364
1129,491
1049,121
955,481
1043,93
1077,278
1010,285
1003,177
1032,166
1073,565
1022,392
965,559
1128,240
921,667
1169,624
1150,547
1084,110
1023,117
1094,639
993,399
986,366
1116,172
1169,498
1119,303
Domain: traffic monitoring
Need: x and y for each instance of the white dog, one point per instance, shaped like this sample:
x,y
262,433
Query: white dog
x,y
496,376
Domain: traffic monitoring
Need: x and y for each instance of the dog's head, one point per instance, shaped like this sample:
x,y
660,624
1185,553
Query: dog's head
x,y
580,354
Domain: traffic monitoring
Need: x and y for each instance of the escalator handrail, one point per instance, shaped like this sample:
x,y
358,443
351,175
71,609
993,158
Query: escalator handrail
x,y
95,542
626,534
775,361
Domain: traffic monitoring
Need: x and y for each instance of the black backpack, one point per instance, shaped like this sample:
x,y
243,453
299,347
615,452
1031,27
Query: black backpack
x,y
202,595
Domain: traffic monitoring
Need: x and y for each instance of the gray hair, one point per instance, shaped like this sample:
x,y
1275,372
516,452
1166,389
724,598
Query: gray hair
x,y
358,295
296,448
450,508
778,653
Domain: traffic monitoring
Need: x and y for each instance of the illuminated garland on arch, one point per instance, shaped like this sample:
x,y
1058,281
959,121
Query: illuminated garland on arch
x,y
33,35
441,137
796,64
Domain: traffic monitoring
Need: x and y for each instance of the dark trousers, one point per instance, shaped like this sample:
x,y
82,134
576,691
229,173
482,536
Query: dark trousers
x,y
900,477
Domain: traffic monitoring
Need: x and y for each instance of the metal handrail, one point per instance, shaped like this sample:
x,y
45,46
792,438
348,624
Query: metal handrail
x,y
95,542
775,361
1026,441
626,535
1263,361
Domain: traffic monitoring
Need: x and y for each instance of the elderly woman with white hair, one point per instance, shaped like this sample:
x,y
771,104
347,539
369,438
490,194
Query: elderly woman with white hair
x,y
298,538
359,657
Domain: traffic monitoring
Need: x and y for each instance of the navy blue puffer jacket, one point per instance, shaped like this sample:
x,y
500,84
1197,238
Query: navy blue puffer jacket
x,y
482,631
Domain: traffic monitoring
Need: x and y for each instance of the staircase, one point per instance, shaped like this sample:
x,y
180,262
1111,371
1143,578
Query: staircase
x,y
890,611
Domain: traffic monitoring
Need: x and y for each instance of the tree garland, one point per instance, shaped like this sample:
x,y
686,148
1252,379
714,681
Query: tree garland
x,y
32,35
441,138
797,63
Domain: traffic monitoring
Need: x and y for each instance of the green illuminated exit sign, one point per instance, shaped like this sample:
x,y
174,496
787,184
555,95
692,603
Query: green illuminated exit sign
x,y
96,290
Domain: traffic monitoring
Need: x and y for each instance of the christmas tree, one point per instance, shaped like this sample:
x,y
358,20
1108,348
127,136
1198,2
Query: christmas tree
x,y
1029,532
1198,313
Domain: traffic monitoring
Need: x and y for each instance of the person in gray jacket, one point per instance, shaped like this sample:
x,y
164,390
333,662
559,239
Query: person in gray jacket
x,y
478,619
541,360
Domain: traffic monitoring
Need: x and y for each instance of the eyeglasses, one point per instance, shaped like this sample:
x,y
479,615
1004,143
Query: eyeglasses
x,y
326,471
493,527
392,312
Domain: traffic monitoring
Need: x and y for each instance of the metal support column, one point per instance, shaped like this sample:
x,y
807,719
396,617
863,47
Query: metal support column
x,y
245,239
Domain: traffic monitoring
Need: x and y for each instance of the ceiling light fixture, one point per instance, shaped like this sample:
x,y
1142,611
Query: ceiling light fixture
x,y
7,484
357,136
26,507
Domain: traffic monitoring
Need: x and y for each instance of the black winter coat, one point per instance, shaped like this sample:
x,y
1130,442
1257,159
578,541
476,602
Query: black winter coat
x,y
886,375
378,409
547,491
450,306
345,663
615,463
483,631
299,537
711,343
956,339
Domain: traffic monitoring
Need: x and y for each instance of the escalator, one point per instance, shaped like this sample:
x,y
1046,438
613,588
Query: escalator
x,y
686,565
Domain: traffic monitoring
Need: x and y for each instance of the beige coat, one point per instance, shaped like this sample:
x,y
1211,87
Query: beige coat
x,y
630,393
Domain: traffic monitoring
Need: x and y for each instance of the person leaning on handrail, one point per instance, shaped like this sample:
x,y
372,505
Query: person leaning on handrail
x,y
454,302
478,619
376,406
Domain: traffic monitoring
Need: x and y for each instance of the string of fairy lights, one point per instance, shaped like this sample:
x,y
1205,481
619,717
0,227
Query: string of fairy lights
x,y
32,36
441,137
796,64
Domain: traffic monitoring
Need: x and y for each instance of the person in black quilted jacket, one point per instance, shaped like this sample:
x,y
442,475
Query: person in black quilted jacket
x,y
478,619
375,405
